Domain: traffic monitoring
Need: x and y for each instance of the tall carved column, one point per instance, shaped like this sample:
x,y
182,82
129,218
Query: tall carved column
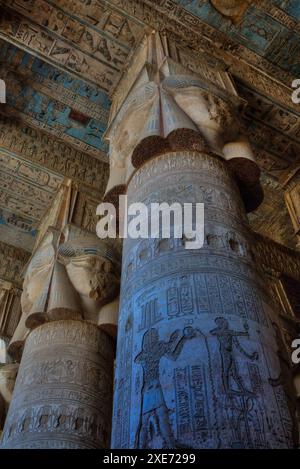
x,y
63,393
197,362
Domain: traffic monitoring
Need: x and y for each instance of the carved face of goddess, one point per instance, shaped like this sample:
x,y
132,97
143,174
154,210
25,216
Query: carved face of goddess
x,y
91,276
204,109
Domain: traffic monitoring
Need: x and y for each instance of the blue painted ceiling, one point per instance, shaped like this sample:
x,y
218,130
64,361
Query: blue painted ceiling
x,y
257,30
54,98
59,79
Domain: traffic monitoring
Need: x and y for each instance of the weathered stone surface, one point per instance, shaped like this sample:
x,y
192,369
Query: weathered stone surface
x,y
8,375
71,280
197,361
201,360
63,393
10,308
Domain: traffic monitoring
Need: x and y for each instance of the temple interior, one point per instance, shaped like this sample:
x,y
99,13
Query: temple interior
x,y
143,343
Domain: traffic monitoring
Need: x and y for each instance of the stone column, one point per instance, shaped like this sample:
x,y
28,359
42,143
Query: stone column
x,y
197,362
62,397
63,393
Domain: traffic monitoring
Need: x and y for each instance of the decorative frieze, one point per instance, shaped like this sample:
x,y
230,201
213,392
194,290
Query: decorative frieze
x,y
274,257
34,145
12,263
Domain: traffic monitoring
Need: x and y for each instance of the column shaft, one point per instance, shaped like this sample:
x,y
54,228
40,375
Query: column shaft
x,y
197,363
63,392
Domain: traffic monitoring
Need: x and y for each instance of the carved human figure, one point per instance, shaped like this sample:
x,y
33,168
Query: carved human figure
x,y
228,344
154,416
92,277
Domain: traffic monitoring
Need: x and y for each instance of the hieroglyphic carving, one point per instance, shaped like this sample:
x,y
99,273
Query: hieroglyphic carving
x,y
85,43
21,31
107,22
94,130
13,261
63,391
167,15
228,342
274,257
10,308
122,404
292,200
26,192
102,14
281,12
51,114
84,37
85,212
87,99
215,292
35,146
154,411
263,109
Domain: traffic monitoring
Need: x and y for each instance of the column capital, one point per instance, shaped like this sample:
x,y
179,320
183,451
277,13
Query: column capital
x,y
161,105
72,274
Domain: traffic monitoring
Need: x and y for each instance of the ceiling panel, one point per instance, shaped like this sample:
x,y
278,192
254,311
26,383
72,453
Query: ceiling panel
x,y
62,59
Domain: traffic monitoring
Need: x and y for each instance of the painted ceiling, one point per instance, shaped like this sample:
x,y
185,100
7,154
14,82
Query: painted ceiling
x,y
253,27
62,59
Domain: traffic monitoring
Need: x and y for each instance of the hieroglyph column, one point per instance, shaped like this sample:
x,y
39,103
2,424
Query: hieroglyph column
x,y
63,392
197,363
62,396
